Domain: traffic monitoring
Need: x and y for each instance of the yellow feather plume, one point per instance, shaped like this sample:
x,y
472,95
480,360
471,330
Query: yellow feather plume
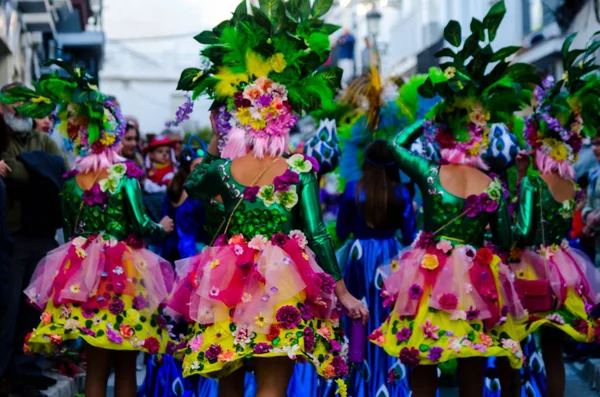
x,y
228,82
256,65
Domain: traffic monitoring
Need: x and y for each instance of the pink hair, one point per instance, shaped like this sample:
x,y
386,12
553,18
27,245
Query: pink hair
x,y
546,164
457,156
239,143
97,162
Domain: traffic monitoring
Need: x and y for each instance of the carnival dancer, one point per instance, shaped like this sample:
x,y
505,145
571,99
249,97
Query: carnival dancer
x,y
373,210
451,294
101,286
558,284
260,294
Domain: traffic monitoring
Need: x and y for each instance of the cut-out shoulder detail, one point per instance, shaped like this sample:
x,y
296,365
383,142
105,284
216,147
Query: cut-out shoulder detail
x,y
560,189
473,181
240,172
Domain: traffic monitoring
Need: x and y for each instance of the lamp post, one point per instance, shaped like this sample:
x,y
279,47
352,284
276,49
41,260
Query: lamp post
x,y
373,27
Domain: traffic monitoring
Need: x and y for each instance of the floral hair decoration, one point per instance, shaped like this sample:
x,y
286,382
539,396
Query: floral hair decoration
x,y
562,116
471,98
92,125
259,70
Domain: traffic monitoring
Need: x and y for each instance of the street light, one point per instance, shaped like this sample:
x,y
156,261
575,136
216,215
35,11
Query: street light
x,y
373,23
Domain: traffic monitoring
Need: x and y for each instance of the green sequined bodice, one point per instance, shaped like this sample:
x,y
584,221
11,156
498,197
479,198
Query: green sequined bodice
x,y
119,215
443,212
537,209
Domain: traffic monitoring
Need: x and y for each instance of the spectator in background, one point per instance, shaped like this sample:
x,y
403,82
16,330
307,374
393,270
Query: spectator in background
x,y
346,56
32,164
176,143
130,144
43,125
591,211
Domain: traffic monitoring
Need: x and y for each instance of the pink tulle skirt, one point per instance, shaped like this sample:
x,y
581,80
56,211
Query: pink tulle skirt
x,y
462,282
565,268
237,283
92,271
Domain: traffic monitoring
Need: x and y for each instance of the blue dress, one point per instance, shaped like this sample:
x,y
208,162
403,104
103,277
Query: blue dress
x,y
360,259
190,218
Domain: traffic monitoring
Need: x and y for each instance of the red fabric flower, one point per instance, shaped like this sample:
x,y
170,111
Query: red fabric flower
x,y
445,139
152,345
273,332
484,256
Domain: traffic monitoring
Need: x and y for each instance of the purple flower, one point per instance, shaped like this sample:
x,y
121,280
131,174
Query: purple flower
x,y
309,339
472,206
116,307
314,162
139,302
472,313
279,239
283,182
87,331
288,316
307,313
409,356
250,193
264,100
327,283
487,204
415,291
212,353
182,114
171,348
94,196
392,377
262,348
87,313
113,336
576,143
404,334
335,346
70,174
133,171
340,366
435,353
426,240
240,102
221,241
161,321
134,241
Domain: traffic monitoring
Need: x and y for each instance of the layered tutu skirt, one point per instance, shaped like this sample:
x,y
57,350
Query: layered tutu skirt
x,y
258,299
104,291
450,302
573,281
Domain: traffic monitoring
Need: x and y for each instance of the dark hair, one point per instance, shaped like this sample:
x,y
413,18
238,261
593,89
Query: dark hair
x,y
130,125
383,207
175,188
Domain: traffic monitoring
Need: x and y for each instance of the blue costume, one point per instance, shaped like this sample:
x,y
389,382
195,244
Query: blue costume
x,y
360,259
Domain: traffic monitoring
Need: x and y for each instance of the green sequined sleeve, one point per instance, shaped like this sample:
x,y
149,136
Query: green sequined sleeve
x,y
204,182
415,166
500,225
141,223
524,230
313,227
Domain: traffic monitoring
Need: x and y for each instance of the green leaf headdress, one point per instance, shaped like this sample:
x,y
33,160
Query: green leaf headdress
x,y
263,68
84,115
565,111
474,98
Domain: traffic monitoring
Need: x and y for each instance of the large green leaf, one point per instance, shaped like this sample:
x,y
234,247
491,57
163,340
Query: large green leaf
x,y
35,110
319,42
329,29
240,10
333,76
320,7
269,7
452,33
567,45
504,53
427,89
478,29
445,52
207,37
262,19
188,79
493,19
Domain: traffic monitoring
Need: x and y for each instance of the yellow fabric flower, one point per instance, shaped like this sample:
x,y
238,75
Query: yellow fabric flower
x,y
430,262
244,116
108,140
278,62
395,266
260,320
258,124
450,72
342,388
215,263
559,153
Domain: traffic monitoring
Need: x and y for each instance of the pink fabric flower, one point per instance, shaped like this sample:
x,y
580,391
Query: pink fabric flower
x,y
430,330
449,301
152,345
415,291
444,245
404,334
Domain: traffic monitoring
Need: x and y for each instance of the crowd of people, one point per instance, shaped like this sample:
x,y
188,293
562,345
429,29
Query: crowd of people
x,y
463,243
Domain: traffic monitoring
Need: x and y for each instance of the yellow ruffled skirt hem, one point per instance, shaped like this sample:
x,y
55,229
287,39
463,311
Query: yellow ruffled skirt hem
x,y
131,329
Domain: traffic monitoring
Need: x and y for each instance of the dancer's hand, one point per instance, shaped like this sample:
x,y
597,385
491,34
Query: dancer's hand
x,y
354,308
167,224
4,169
